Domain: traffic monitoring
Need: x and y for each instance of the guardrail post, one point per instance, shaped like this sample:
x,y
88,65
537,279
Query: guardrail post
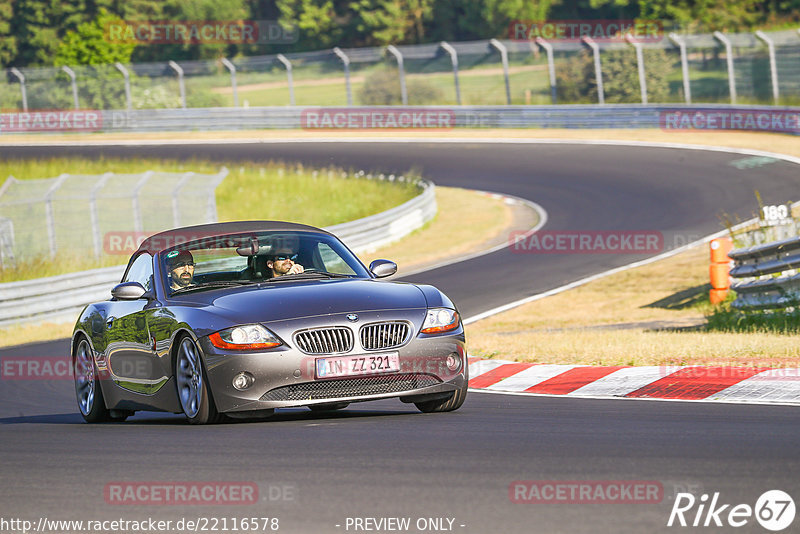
x,y
598,72
179,71
288,64
454,60
640,65
176,216
232,68
21,77
681,44
773,69
504,58
128,101
6,245
48,212
719,36
346,63
137,209
551,67
401,70
211,203
95,221
74,84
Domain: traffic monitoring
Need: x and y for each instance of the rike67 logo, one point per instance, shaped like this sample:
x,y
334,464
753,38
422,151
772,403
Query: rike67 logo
x,y
774,510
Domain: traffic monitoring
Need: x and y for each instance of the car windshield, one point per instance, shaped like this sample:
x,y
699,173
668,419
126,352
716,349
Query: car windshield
x,y
254,257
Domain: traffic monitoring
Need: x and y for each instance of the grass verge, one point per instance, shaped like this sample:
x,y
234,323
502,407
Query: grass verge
x,y
642,316
271,191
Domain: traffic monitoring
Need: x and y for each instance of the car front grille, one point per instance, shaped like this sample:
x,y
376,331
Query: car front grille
x,y
350,387
386,335
324,340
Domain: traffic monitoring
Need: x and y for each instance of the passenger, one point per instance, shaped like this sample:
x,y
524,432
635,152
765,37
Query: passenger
x,y
181,269
281,264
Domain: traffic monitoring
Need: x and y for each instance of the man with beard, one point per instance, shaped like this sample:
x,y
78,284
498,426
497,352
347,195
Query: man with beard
x,y
181,269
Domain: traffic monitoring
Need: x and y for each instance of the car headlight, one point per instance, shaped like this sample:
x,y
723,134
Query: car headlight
x,y
245,337
440,320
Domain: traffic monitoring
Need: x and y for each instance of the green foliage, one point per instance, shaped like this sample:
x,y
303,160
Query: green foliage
x,y
392,21
576,82
382,88
89,44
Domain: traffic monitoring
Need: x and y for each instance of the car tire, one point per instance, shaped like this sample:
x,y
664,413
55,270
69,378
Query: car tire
x,y
448,404
87,385
329,407
191,382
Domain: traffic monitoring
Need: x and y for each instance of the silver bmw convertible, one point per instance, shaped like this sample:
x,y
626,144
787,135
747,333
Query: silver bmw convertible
x,y
234,320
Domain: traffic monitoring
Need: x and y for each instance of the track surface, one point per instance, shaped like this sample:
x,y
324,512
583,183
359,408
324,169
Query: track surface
x,y
383,459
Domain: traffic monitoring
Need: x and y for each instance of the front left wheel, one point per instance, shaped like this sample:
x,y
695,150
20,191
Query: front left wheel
x,y
192,384
87,385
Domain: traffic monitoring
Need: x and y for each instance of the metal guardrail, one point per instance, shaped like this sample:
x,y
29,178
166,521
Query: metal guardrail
x,y
780,258
776,119
33,300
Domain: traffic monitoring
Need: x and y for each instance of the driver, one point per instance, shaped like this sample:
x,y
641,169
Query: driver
x,y
181,269
282,263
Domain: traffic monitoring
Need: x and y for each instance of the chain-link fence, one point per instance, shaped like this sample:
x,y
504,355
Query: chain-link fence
x,y
99,214
744,68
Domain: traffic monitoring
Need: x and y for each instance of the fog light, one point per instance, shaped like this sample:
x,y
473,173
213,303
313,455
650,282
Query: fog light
x,y
243,381
453,362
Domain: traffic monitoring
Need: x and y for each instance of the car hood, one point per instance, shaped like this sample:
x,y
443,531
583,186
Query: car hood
x,y
284,300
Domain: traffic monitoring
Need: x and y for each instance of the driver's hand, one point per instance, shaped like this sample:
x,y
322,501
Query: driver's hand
x,y
296,269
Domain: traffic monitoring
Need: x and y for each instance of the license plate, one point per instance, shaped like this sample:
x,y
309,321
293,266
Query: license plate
x,y
362,364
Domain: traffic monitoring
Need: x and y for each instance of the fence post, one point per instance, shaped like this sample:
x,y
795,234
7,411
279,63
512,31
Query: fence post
x,y
504,58
137,209
729,60
232,68
681,44
640,65
598,72
176,217
96,238
48,211
211,203
551,67
400,69
346,63
288,64
179,71
74,84
454,60
6,246
21,77
127,77
773,69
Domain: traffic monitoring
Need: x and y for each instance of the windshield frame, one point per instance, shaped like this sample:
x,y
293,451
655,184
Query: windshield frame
x,y
308,243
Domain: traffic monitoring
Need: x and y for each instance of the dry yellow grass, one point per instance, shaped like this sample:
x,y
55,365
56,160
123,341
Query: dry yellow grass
x,y
465,219
563,328
771,142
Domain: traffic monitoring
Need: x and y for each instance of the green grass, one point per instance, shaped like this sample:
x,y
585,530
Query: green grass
x,y
252,190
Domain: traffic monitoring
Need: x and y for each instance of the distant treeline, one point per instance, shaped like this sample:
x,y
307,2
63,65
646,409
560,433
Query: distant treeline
x,y
47,32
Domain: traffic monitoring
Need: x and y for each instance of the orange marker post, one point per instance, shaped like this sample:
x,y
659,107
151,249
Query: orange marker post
x,y
719,271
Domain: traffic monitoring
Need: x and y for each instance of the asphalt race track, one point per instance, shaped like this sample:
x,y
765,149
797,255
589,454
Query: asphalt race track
x,y
382,460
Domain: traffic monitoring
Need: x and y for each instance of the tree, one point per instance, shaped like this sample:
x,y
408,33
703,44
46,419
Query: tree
x,y
89,44
392,21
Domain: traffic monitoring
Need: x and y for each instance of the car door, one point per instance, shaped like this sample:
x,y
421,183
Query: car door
x,y
129,348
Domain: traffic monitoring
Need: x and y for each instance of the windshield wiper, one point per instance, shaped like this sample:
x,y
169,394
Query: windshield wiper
x,y
212,285
308,273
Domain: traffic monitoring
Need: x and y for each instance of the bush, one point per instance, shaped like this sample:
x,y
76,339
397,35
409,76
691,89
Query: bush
x,y
576,83
382,88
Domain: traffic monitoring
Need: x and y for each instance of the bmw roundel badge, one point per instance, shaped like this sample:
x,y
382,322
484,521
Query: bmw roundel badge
x,y
352,317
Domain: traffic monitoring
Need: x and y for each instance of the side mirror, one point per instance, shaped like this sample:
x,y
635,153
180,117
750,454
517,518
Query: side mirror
x,y
382,268
128,291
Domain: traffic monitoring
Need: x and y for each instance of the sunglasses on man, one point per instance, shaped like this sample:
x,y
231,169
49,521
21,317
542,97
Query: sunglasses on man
x,y
183,264
286,257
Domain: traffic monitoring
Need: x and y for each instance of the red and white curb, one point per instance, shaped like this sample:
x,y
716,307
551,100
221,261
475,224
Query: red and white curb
x,y
723,384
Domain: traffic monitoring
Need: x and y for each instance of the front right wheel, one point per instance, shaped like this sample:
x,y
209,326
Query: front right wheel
x,y
447,404
192,384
